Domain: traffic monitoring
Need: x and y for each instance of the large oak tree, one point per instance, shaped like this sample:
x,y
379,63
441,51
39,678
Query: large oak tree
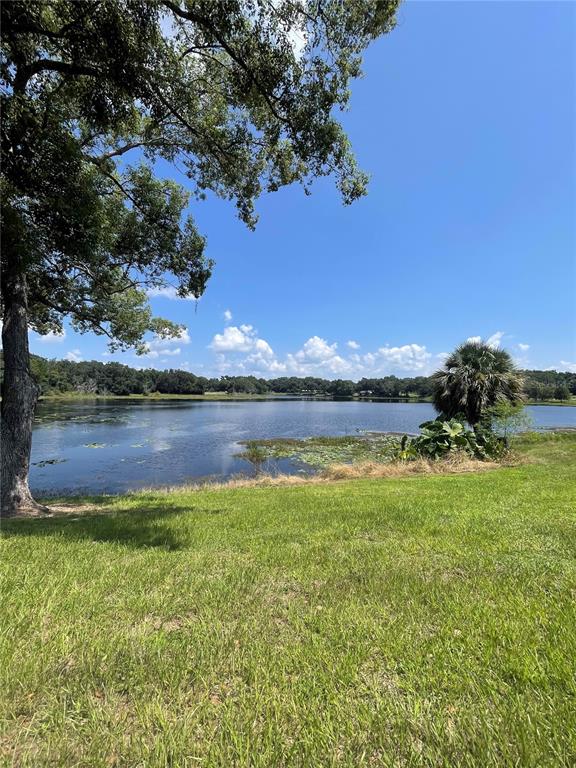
x,y
239,94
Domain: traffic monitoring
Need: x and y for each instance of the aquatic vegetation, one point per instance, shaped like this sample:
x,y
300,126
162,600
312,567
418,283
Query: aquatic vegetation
x,y
94,445
321,452
438,439
47,462
255,454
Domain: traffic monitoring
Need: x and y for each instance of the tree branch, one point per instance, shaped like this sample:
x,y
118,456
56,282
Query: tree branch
x,y
205,23
41,65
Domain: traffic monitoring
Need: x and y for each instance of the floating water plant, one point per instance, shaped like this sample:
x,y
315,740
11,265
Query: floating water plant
x,y
47,462
321,452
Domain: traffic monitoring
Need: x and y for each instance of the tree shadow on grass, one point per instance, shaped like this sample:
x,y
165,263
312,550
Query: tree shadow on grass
x,y
147,526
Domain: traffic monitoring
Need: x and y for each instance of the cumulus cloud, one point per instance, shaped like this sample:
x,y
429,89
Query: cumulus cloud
x,y
409,357
53,338
182,337
495,339
263,348
227,315
233,339
159,347
167,292
239,349
316,350
491,341
568,366
317,356
153,354
75,356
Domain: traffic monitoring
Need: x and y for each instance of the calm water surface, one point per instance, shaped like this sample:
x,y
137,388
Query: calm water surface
x,y
96,447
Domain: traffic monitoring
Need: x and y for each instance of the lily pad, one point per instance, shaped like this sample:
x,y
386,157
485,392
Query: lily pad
x,y
47,462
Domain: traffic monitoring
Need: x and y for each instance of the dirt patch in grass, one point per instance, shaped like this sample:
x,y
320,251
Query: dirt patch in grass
x,y
73,508
153,623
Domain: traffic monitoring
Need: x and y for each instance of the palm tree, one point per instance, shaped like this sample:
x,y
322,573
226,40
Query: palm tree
x,y
475,377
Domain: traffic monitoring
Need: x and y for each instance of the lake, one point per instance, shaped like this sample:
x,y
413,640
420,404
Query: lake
x,y
115,446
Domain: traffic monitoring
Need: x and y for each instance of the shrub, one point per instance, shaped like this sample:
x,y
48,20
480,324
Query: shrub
x,y
507,419
440,437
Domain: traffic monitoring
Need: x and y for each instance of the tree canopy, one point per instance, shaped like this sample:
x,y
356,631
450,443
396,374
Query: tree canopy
x,y
113,378
239,94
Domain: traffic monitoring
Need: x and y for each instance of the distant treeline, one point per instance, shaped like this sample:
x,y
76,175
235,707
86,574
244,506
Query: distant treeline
x,y
61,376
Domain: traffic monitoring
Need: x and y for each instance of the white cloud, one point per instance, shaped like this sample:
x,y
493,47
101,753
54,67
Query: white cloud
x,y
263,348
495,339
491,341
242,339
316,350
75,356
524,347
227,315
167,292
410,357
316,357
233,339
239,349
158,346
155,353
568,366
53,338
183,337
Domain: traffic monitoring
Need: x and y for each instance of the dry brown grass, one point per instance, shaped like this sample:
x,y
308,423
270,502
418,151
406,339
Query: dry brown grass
x,y
237,482
455,464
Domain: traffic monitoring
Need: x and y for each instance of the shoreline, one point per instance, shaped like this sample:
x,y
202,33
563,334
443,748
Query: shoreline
x,y
224,397
321,468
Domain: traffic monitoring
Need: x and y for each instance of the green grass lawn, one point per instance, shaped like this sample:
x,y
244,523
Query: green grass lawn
x,y
423,621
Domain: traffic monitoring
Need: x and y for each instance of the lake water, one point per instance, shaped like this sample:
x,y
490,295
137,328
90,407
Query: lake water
x,y
114,446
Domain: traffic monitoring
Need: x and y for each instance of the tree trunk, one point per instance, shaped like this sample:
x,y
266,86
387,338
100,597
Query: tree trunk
x,y
19,395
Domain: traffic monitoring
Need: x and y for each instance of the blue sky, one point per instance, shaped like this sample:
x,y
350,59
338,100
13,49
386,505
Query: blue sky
x,y
465,121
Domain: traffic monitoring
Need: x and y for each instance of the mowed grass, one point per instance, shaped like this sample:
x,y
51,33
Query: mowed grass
x,y
421,621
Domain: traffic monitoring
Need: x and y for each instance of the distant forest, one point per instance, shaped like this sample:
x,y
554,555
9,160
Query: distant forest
x,y
62,376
